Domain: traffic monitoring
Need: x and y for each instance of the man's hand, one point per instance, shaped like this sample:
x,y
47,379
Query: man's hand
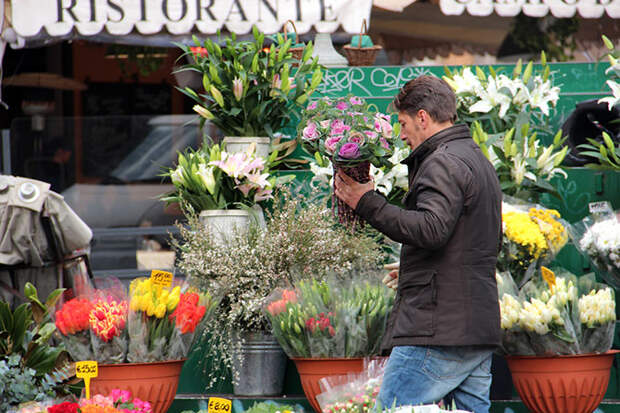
x,y
349,190
391,279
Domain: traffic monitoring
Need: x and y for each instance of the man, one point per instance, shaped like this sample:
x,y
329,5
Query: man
x,y
445,323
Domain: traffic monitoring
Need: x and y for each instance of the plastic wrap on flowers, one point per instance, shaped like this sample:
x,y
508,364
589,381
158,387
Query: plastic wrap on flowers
x,y
353,393
108,322
597,315
598,236
550,315
532,235
330,318
72,318
515,339
193,309
149,325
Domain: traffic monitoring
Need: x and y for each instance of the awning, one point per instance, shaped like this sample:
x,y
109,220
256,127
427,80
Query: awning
x,y
591,9
118,18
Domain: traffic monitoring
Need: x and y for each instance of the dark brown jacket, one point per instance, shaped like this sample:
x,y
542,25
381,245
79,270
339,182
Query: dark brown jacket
x,y
450,231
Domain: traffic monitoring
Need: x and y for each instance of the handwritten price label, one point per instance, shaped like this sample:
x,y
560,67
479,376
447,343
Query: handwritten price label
x,y
162,278
600,207
548,276
219,405
86,370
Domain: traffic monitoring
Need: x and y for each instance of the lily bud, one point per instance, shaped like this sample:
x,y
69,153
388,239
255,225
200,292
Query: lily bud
x,y
204,112
238,88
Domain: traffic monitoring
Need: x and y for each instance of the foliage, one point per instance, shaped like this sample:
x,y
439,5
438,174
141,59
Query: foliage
x,y
555,36
147,59
606,153
347,131
298,238
33,366
524,166
500,101
211,178
249,91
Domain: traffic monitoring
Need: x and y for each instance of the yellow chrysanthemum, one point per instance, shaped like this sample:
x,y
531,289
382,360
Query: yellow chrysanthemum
x,y
525,232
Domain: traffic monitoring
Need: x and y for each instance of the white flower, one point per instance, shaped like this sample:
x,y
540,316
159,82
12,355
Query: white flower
x,y
323,175
509,310
177,176
615,90
467,82
597,308
490,98
543,94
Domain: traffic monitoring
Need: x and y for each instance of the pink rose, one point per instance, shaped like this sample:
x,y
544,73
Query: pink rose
x,y
349,150
330,144
342,106
310,132
312,105
354,100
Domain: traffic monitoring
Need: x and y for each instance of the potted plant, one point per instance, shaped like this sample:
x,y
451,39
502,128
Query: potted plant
x,y
557,334
224,188
140,340
328,326
249,90
298,238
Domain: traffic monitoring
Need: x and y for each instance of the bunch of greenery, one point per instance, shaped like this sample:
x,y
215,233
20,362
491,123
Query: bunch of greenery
x,y
30,366
524,166
299,238
249,91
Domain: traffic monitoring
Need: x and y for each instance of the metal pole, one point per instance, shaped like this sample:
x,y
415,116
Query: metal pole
x,y
6,151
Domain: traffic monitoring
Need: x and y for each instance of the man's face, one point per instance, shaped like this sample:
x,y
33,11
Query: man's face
x,y
411,131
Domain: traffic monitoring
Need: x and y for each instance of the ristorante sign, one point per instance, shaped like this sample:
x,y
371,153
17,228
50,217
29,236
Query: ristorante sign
x,y
121,17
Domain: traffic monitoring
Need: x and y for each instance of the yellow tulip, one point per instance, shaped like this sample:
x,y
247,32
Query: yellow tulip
x,y
160,310
150,310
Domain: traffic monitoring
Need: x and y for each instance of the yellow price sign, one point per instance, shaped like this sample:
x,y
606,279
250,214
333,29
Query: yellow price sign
x,y
548,276
162,278
86,370
219,405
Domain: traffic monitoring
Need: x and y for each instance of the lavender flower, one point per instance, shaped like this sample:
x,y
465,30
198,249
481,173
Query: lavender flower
x,y
349,150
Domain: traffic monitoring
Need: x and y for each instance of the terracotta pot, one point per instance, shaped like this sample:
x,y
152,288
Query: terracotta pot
x,y
155,382
561,384
312,370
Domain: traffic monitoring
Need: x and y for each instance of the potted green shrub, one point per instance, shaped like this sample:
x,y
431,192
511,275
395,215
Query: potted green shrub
x,y
249,90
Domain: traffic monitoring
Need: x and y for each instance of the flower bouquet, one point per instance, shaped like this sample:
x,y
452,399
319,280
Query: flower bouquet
x,y
192,309
73,322
353,393
532,235
559,315
149,324
330,318
212,178
346,131
598,236
107,321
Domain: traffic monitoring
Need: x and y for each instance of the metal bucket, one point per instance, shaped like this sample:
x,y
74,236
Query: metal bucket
x,y
259,366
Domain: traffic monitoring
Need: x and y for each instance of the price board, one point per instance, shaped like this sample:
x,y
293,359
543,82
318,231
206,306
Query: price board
x,y
162,278
219,405
86,370
548,276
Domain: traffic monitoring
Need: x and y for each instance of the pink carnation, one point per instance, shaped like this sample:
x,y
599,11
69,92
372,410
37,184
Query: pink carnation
x,y
342,106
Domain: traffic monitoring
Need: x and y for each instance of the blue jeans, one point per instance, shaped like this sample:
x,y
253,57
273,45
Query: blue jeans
x,y
423,375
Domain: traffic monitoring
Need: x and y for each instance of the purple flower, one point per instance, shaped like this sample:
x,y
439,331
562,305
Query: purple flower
x,y
371,135
310,133
349,150
357,138
312,105
354,100
384,143
342,106
330,143
338,127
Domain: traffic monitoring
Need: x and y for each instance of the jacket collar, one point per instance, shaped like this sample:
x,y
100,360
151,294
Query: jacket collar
x,y
460,131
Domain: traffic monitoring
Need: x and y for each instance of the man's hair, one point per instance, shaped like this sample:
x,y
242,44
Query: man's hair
x,y
430,93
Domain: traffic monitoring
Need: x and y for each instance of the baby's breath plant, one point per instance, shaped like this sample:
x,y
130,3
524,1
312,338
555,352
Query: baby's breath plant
x,y
300,238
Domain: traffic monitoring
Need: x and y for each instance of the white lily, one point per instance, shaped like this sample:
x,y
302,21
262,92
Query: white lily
x,y
491,98
468,82
543,95
612,100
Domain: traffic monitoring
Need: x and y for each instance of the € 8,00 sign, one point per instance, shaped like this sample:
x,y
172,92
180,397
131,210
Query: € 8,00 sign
x,y
86,370
219,405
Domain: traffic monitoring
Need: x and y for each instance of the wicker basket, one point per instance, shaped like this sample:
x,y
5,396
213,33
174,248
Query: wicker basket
x,y
361,56
297,52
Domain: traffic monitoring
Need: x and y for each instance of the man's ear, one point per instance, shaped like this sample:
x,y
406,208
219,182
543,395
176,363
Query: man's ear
x,y
423,118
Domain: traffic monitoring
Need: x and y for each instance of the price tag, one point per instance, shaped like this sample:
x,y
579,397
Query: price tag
x,y
219,405
162,278
86,370
600,207
548,276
